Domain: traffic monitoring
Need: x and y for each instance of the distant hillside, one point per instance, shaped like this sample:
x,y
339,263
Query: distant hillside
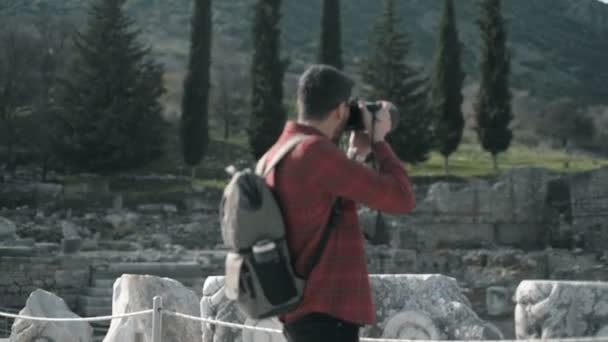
x,y
559,47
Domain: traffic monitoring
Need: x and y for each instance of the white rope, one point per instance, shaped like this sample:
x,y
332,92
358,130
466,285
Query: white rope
x,y
268,330
224,324
365,339
579,339
77,319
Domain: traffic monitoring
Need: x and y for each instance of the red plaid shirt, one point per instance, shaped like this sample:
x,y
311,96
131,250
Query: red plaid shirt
x,y
306,182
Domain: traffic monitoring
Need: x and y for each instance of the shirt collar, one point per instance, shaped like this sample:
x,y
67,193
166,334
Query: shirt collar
x,y
292,127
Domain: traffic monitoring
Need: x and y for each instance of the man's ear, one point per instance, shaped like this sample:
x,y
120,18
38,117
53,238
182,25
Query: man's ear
x,y
340,113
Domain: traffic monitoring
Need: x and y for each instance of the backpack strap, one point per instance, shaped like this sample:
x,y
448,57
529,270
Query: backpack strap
x,y
263,170
334,218
336,209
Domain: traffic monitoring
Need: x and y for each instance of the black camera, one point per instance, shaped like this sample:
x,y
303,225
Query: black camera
x,y
355,121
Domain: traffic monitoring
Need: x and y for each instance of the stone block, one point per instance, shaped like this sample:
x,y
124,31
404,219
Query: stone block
x,y
384,260
29,242
590,208
177,270
117,203
196,203
70,262
45,304
71,245
521,235
72,279
135,293
48,247
17,251
499,301
7,229
486,268
446,262
561,309
407,307
562,259
457,235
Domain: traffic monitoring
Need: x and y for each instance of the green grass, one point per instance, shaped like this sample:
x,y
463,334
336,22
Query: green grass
x,y
218,184
240,141
471,161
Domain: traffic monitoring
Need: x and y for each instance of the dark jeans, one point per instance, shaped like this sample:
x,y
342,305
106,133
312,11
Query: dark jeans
x,y
321,328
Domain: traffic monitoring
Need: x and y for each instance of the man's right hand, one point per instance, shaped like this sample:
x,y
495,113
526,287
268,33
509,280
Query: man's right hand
x,y
382,124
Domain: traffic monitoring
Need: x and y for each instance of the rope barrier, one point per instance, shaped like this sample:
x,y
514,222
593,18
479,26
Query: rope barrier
x,y
224,324
77,319
579,339
365,339
268,330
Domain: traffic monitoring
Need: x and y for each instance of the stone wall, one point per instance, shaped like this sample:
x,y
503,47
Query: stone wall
x,y
21,275
529,209
477,214
487,234
590,208
69,276
523,208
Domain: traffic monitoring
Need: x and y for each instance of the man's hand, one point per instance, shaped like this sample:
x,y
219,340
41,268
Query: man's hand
x,y
359,145
382,123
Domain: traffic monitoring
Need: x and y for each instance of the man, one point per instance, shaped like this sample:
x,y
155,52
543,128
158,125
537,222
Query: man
x,y
337,299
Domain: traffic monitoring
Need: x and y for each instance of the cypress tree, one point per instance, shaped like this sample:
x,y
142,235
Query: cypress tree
x,y
493,105
446,87
388,76
330,45
194,125
111,112
267,70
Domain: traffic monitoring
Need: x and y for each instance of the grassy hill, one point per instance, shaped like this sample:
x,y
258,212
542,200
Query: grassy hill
x,y
558,49
558,46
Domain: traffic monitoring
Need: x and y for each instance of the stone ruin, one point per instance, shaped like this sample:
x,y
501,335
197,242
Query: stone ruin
x,y
409,307
45,304
488,235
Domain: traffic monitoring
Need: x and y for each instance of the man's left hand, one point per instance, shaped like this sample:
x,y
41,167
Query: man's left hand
x,y
359,146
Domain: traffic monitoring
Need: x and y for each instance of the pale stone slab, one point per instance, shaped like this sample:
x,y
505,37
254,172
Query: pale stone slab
x,y
561,309
136,292
45,304
407,307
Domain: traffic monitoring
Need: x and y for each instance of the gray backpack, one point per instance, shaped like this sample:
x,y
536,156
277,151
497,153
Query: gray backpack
x,y
259,274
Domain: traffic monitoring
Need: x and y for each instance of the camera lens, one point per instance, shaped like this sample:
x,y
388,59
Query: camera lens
x,y
355,120
373,107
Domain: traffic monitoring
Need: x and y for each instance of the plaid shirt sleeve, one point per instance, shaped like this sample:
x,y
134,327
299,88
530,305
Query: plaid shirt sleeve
x,y
388,190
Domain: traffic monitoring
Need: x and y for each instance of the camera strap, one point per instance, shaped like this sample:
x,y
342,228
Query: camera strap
x,y
379,224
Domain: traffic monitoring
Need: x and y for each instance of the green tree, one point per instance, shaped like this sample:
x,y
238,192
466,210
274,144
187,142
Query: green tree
x,y
566,122
493,104
194,125
330,45
55,33
388,76
267,71
446,87
19,86
110,111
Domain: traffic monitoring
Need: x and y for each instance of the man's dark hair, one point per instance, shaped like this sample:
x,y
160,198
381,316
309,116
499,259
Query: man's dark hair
x,y
320,90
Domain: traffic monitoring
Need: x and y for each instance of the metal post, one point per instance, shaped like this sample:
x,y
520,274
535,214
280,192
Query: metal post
x,y
157,319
